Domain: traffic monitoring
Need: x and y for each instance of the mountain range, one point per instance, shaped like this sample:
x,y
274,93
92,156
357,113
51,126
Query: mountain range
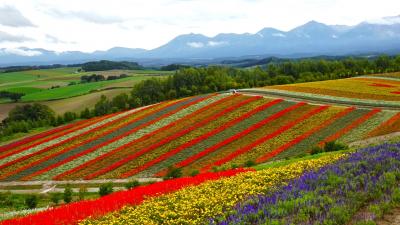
x,y
310,39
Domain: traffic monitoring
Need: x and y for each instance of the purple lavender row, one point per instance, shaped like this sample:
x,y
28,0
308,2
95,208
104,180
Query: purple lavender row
x,y
331,195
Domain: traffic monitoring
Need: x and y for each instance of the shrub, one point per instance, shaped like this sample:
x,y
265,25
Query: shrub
x,y
333,146
106,189
55,198
174,172
249,163
316,150
194,173
68,194
31,201
82,192
132,184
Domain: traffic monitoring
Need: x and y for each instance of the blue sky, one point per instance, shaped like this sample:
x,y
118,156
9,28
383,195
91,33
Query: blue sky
x,y
89,25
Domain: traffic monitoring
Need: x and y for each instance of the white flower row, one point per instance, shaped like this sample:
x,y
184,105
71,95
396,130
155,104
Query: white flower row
x,y
64,137
103,150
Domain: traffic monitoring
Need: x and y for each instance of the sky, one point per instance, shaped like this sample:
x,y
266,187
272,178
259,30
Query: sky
x,y
89,25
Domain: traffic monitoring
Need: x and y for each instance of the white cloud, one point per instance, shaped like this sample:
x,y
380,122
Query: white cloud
x,y
11,16
7,37
21,52
102,24
195,44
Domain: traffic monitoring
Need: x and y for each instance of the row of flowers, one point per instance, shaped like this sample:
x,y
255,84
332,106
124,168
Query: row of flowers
x,y
274,142
201,138
331,195
245,149
195,204
351,126
164,134
224,137
362,131
250,137
75,212
390,126
30,160
65,137
194,131
109,141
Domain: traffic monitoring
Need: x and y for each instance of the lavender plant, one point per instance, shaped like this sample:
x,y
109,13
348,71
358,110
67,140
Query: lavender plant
x,y
331,195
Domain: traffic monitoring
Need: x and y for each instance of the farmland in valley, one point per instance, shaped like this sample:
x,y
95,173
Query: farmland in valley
x,y
52,87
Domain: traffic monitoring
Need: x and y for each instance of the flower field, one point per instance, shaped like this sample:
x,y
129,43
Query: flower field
x,y
359,87
195,134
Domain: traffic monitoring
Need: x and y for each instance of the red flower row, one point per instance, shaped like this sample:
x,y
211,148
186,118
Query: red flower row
x,y
351,126
304,136
239,135
247,148
199,139
81,125
93,148
145,137
75,212
40,135
63,142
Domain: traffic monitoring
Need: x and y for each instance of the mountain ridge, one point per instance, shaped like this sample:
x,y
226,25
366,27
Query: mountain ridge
x,y
310,39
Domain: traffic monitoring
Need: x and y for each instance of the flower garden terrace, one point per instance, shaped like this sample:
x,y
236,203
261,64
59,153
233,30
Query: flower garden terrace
x,y
195,134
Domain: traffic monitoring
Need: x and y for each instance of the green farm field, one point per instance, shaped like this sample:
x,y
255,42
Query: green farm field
x,y
36,85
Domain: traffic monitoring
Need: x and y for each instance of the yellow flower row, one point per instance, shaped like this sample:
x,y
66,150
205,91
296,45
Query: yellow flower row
x,y
194,205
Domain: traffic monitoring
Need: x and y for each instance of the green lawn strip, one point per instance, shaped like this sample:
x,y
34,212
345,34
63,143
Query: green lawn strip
x,y
16,136
242,125
313,140
25,90
365,128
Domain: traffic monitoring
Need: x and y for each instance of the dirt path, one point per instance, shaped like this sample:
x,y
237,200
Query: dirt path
x,y
392,218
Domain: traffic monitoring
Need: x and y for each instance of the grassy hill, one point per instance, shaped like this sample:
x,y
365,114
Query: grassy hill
x,y
195,134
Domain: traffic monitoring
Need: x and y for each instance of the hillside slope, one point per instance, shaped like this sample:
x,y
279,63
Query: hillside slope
x,y
195,134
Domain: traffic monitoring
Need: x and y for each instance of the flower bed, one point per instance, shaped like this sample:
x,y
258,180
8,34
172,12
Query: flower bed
x,y
194,205
196,130
74,212
239,135
248,139
291,130
88,136
105,160
331,195
201,138
362,131
106,143
390,126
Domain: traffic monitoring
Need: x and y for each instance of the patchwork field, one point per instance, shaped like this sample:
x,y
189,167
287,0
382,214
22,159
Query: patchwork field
x,y
196,134
371,91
